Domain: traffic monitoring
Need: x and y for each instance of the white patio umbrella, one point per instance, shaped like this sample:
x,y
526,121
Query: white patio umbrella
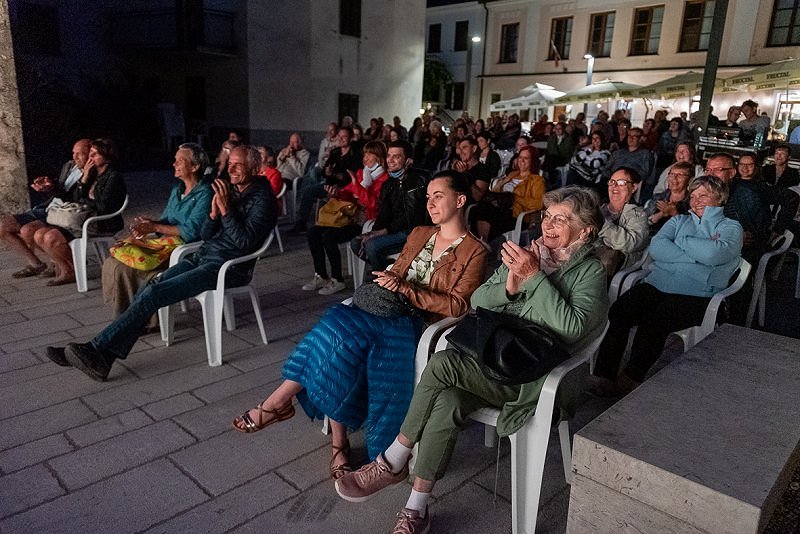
x,y
682,85
537,95
602,90
778,75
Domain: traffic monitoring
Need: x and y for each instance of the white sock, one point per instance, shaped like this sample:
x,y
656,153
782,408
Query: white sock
x,y
397,455
418,501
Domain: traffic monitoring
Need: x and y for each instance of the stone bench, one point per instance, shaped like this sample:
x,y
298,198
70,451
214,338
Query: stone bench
x,y
705,445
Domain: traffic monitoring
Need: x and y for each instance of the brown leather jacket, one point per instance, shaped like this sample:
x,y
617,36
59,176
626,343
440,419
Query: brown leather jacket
x,y
453,281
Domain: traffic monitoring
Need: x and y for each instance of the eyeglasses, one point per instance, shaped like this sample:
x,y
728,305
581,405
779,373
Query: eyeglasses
x,y
620,182
557,220
677,175
718,169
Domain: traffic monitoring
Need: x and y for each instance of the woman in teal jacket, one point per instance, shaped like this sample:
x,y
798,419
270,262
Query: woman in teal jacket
x,y
694,257
556,283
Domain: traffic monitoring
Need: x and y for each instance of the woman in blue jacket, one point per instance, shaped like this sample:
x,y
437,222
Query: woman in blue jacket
x,y
694,257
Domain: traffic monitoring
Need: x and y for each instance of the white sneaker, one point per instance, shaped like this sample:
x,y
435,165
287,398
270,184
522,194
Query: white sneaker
x,y
316,283
332,286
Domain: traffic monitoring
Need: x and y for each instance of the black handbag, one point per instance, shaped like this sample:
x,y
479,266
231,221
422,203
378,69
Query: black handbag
x,y
509,349
379,301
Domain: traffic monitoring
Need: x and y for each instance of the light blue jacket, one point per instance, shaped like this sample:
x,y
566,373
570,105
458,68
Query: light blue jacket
x,y
694,256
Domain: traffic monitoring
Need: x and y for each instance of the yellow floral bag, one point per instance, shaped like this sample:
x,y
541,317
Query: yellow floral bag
x,y
145,254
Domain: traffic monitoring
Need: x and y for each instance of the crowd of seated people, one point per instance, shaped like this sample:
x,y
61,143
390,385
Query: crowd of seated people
x,y
695,222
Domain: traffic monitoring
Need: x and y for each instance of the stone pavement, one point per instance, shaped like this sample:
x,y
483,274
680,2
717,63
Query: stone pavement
x,y
152,448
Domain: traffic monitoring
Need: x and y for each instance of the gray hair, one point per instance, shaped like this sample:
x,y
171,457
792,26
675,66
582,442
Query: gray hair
x,y
252,157
584,203
198,157
436,124
716,186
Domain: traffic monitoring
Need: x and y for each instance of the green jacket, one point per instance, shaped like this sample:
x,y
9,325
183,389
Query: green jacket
x,y
572,303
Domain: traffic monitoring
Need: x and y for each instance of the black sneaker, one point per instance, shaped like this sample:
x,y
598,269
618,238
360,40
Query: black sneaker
x,y
89,360
56,355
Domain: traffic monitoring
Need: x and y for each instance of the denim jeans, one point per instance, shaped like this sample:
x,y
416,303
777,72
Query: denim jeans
x,y
378,248
190,277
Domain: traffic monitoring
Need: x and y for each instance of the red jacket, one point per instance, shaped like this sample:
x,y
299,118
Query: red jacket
x,y
275,179
367,197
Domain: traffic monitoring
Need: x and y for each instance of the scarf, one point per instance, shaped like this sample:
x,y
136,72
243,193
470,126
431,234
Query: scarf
x,y
550,260
370,174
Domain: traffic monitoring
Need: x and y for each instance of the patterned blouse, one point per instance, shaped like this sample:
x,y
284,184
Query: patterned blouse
x,y
423,265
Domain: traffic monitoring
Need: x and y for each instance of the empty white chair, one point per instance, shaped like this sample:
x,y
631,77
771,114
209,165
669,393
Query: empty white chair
x,y
100,245
778,246
218,302
356,265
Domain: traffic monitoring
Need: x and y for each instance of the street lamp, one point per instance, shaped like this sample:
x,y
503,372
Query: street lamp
x,y
475,39
589,68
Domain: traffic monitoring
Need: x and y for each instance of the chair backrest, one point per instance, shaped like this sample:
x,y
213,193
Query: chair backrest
x,y
96,218
282,191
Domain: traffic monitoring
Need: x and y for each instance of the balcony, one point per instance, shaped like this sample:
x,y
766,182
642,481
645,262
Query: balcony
x,y
204,31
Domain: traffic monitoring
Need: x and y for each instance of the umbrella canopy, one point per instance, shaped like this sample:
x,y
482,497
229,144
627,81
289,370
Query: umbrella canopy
x,y
603,90
536,95
687,84
778,75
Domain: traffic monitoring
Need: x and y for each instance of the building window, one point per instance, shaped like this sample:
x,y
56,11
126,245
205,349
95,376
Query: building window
x,y
434,38
348,106
350,17
646,32
460,42
37,29
697,17
495,97
509,41
560,37
601,34
454,98
784,30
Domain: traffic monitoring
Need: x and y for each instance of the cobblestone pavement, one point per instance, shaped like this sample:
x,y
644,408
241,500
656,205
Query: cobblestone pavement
x,y
152,448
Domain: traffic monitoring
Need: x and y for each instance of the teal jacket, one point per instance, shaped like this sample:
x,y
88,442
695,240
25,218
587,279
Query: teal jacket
x,y
572,303
190,212
693,256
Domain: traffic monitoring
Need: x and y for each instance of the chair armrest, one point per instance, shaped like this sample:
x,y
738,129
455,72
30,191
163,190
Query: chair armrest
x,y
241,259
181,251
95,218
618,279
434,334
710,318
632,279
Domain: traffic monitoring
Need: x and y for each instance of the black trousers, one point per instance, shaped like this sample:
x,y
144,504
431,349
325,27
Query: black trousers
x,y
655,314
324,241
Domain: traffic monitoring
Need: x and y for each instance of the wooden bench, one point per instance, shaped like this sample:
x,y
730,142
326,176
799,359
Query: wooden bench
x,y
705,445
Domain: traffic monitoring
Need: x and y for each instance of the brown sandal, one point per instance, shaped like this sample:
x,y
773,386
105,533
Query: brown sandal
x,y
244,423
339,470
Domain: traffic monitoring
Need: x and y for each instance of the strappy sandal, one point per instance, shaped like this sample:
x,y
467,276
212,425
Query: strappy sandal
x,y
339,470
244,423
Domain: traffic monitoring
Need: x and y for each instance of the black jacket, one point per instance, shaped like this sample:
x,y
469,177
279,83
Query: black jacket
x,y
402,203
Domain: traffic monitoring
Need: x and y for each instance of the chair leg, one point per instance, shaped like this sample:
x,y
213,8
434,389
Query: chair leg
x,y
566,449
78,247
489,436
211,306
229,312
762,304
528,452
278,237
254,300
166,324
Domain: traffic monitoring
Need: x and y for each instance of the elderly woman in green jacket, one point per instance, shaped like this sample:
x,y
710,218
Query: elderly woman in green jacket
x,y
557,283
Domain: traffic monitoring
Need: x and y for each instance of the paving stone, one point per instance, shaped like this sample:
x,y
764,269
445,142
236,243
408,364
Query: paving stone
x,y
11,318
18,360
26,488
261,355
290,324
53,338
215,469
243,382
38,326
44,422
100,317
48,308
146,391
47,390
172,406
129,502
232,508
100,460
470,510
18,376
34,452
107,427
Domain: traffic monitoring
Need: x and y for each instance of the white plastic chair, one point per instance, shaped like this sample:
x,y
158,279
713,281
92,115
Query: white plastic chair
x,y
276,232
356,265
619,277
100,245
218,302
777,272
516,234
695,334
529,443
779,247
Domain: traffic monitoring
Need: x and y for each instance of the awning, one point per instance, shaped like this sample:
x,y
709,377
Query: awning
x,y
537,95
682,85
779,75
